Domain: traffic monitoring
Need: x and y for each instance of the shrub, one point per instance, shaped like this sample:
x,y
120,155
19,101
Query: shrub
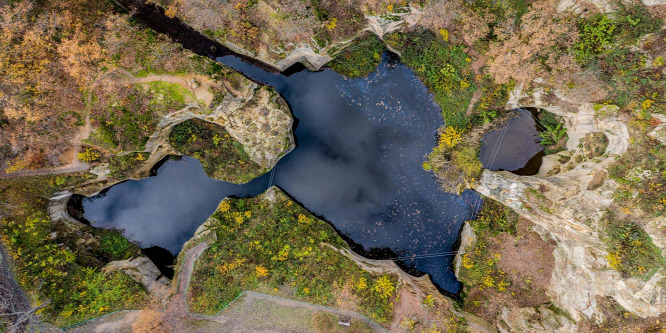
x,y
467,161
456,166
52,272
492,102
495,218
114,246
52,265
553,134
593,35
88,155
359,59
631,250
634,21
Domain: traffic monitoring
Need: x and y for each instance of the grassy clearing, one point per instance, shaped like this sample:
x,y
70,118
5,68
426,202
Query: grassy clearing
x,y
54,264
166,96
359,59
278,248
221,155
630,248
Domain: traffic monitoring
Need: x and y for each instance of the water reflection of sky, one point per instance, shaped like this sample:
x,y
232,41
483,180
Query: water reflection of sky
x,y
513,145
358,162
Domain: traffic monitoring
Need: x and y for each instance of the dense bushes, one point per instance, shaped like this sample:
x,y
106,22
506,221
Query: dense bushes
x,y
221,156
553,133
360,59
495,218
54,265
127,116
593,35
454,160
279,248
626,25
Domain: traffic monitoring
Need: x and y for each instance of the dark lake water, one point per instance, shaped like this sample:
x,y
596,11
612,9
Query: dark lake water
x,y
514,147
357,164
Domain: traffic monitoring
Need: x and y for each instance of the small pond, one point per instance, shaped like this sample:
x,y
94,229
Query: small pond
x,y
357,164
515,146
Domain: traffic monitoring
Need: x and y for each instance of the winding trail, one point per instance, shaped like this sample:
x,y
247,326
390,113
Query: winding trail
x,y
191,256
200,90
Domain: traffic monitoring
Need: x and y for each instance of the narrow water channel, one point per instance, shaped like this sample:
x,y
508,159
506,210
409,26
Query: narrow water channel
x,y
357,164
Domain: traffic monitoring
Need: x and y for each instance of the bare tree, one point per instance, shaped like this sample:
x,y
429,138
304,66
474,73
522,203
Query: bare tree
x,y
16,312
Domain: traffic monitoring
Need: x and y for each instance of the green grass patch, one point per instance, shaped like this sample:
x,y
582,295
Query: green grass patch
x,y
359,59
631,81
634,21
114,246
631,250
221,155
127,116
443,67
278,247
167,95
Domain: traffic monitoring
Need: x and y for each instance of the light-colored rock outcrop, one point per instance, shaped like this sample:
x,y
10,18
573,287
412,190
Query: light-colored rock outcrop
x,y
143,271
568,210
659,132
254,115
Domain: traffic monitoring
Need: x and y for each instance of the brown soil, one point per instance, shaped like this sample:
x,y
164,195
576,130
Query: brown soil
x,y
528,262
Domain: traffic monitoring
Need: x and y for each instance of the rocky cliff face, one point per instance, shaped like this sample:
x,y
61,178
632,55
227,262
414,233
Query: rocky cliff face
x,y
568,199
254,115
283,33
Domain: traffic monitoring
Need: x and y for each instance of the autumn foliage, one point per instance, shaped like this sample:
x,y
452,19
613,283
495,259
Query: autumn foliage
x,y
54,56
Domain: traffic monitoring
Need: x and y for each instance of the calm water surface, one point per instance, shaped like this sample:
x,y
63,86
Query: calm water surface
x,y
515,147
360,145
